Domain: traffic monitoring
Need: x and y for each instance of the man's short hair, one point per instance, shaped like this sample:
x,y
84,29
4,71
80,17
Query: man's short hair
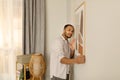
x,y
68,25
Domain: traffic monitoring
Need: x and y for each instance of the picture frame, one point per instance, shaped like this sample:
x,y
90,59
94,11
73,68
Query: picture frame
x,y
80,16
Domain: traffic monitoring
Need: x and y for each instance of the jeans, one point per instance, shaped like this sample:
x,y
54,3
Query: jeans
x,y
56,78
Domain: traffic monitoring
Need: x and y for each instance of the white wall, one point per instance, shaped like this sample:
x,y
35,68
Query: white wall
x,y
102,40
56,17
102,36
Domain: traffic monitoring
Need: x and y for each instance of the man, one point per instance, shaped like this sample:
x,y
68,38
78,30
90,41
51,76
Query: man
x,y
62,54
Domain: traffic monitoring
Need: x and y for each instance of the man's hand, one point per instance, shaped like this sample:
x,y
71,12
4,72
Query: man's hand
x,y
80,59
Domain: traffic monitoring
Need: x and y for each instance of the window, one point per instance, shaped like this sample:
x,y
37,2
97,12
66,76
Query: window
x,y
10,36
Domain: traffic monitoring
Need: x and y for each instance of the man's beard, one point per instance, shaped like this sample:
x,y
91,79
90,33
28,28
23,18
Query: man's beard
x,y
67,36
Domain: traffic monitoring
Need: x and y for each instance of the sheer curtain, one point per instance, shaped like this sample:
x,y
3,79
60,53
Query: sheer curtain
x,y
10,37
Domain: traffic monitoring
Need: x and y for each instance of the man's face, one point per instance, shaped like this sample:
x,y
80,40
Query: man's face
x,y
68,32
